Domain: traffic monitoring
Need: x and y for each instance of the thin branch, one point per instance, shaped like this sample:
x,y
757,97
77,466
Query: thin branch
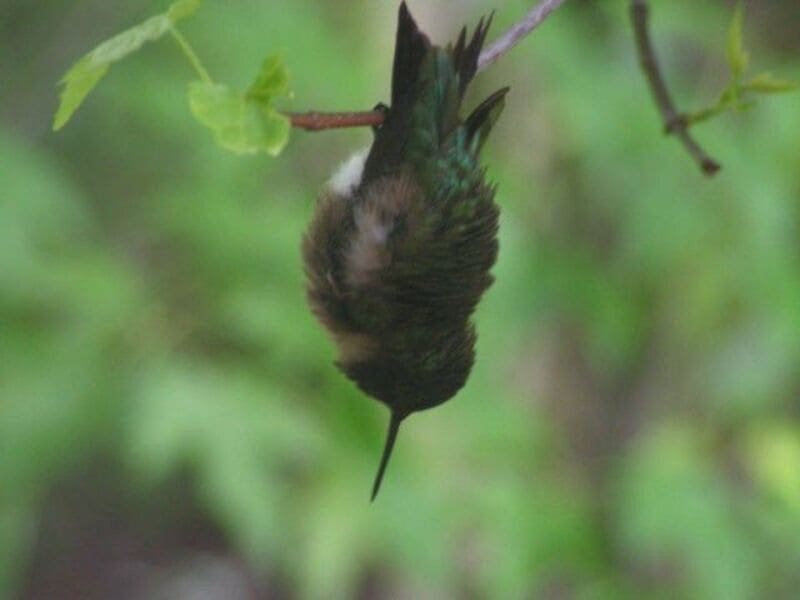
x,y
674,122
513,36
316,121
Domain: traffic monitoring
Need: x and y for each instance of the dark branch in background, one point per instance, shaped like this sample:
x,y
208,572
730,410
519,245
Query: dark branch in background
x,y
315,121
674,122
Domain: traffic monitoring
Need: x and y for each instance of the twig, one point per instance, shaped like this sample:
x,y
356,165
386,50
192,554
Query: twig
x,y
316,121
674,122
513,36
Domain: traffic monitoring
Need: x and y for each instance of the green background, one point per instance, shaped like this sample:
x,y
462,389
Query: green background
x,y
170,419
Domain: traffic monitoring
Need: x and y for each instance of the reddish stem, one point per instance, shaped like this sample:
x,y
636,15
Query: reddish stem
x,y
315,121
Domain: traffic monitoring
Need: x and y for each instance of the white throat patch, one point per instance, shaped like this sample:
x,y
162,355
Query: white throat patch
x,y
347,177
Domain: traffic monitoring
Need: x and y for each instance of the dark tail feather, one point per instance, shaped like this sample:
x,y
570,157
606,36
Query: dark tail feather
x,y
410,48
462,40
465,56
391,436
480,121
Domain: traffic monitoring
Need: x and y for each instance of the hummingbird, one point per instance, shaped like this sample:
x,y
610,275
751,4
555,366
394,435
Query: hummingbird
x,y
400,248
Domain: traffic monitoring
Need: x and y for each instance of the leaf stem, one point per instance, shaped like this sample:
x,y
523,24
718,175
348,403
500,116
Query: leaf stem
x,y
190,54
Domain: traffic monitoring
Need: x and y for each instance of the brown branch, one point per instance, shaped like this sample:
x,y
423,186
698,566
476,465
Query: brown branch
x,y
316,121
674,122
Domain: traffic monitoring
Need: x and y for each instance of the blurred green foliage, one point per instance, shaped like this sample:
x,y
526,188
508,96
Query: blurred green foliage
x,y
631,426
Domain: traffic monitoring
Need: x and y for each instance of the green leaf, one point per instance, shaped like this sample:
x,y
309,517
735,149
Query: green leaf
x,y
240,124
78,82
182,9
766,83
738,58
735,96
271,81
84,75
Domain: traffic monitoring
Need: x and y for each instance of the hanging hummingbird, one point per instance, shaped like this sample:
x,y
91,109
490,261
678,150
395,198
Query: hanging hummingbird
x,y
399,250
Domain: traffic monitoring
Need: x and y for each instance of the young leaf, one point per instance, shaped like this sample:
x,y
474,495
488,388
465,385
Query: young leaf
x,y
766,83
738,58
239,123
182,9
78,82
84,75
736,96
271,81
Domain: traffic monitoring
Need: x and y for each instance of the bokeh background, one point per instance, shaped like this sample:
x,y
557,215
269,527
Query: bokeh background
x,y
172,426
